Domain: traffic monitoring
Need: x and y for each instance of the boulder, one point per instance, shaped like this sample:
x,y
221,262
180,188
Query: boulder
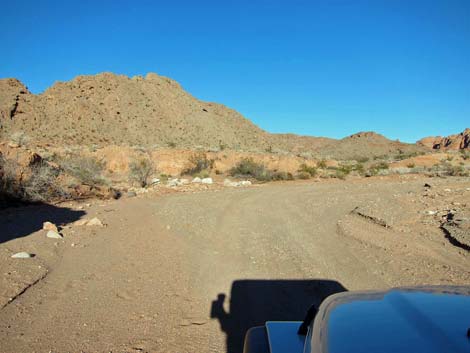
x,y
173,182
53,234
95,222
207,181
50,226
22,255
196,180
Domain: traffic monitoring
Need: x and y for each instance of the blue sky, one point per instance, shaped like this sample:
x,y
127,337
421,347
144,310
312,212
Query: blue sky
x,y
323,68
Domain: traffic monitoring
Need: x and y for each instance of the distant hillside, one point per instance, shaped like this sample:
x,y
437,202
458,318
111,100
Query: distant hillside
x,y
366,144
155,112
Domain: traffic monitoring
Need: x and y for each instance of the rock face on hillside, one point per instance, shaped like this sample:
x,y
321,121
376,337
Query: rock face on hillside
x,y
154,111
453,142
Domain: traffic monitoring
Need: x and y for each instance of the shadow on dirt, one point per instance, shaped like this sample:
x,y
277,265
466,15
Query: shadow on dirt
x,y
21,221
253,302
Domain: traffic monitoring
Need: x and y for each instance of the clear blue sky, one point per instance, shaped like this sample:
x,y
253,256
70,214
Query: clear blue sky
x,y
323,68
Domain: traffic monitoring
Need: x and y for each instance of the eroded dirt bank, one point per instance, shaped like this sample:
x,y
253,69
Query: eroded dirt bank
x,y
190,272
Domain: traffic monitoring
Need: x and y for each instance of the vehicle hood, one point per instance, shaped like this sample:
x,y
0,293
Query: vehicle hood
x,y
425,319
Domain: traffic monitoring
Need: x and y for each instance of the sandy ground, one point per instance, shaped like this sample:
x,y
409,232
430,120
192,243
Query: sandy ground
x,y
190,272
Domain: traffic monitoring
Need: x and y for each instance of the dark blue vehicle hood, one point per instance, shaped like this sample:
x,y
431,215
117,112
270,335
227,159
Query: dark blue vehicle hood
x,y
425,319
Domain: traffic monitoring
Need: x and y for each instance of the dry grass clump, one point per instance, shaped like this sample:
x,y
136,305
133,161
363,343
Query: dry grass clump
x,y
141,170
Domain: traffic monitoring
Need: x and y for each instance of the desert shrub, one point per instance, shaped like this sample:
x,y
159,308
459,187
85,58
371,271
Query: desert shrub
x,y
465,154
344,169
359,168
340,174
304,175
88,170
20,138
449,158
141,170
304,168
36,183
362,159
247,167
377,168
402,155
321,164
277,175
380,165
410,165
222,146
164,177
199,163
171,144
42,184
457,171
9,187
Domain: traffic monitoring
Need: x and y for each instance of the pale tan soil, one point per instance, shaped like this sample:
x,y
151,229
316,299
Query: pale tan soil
x,y
150,280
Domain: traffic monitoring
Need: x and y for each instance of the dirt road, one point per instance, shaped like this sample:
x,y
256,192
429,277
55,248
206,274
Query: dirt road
x,y
191,272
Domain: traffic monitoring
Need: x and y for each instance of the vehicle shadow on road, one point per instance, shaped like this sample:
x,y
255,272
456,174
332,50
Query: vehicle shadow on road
x,y
19,222
253,302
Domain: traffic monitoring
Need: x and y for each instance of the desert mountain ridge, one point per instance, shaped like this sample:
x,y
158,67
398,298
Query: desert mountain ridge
x,y
155,111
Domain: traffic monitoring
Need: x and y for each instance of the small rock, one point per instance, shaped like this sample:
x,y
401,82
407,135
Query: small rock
x,y
131,194
50,226
94,222
427,185
22,255
447,190
53,235
431,213
196,180
245,183
207,181
173,182
155,181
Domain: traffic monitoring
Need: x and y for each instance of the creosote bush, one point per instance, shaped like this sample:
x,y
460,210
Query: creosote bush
x,y
304,175
88,170
141,170
322,164
200,165
304,168
36,183
247,167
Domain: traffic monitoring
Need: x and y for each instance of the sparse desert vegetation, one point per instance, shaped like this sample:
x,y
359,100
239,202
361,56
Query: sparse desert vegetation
x,y
140,171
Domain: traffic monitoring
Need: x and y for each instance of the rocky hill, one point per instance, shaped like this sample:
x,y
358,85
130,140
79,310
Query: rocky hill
x,y
154,111
452,142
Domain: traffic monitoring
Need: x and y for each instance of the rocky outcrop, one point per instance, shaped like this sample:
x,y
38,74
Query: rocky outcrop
x,y
452,142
